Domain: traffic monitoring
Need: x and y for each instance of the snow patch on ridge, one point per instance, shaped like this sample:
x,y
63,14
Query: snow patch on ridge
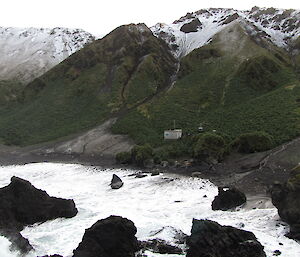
x,y
279,26
27,53
187,42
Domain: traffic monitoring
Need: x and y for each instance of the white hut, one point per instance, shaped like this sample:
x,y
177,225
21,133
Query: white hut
x,y
173,134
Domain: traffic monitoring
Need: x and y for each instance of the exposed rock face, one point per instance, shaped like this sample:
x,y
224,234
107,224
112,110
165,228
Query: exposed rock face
x,y
192,26
116,182
286,198
228,199
22,204
99,140
113,236
231,18
210,239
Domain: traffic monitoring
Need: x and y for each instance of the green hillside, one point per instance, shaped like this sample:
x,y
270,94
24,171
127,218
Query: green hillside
x,y
231,86
9,91
246,89
104,79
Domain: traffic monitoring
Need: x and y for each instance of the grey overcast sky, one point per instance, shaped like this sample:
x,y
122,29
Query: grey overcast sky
x,y
100,17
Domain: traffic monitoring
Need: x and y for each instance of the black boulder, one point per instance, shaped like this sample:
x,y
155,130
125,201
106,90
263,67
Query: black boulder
x,y
113,236
210,239
116,182
160,246
228,198
22,204
286,198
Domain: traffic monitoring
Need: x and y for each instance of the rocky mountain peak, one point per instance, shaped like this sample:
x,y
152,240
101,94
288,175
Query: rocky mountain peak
x,y
281,27
27,53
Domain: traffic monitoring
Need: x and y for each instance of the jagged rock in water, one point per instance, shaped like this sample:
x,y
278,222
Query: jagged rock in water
x,y
175,235
113,236
286,198
228,198
140,175
19,243
210,239
116,182
22,204
160,246
192,26
277,253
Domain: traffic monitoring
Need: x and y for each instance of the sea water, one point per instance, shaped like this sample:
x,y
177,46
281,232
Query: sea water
x,y
164,203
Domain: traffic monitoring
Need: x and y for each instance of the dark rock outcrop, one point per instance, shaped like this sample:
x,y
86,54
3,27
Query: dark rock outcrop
x,y
230,18
22,204
277,253
286,198
18,242
116,182
160,246
192,26
141,175
228,198
210,239
113,236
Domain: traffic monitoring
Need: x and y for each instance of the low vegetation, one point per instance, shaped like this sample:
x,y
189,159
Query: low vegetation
x,y
124,158
141,153
209,147
138,155
253,142
229,104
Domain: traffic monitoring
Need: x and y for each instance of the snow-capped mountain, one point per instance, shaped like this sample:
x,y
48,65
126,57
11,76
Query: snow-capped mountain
x,y
196,29
27,53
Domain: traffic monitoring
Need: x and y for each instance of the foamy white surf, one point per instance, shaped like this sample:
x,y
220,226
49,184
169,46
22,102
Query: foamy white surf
x,y
151,203
4,248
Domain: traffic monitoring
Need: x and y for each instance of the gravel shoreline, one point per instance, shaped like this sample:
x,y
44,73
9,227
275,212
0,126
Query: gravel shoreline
x,y
242,171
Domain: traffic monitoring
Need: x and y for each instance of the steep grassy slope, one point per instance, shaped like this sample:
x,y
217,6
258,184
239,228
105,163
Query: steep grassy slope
x,y
237,83
105,78
9,91
234,85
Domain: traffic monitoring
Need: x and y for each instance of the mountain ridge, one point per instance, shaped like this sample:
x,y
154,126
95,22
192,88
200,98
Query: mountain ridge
x,y
281,26
27,53
101,80
238,81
